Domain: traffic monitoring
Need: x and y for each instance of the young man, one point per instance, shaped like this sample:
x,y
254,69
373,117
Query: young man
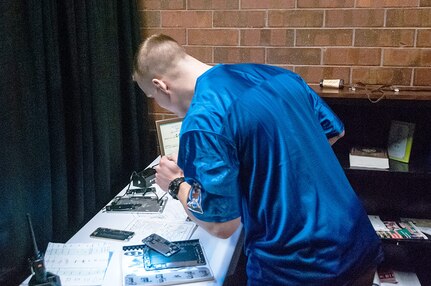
x,y
254,149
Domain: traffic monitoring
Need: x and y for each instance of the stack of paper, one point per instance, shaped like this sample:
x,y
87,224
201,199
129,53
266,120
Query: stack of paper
x,y
78,263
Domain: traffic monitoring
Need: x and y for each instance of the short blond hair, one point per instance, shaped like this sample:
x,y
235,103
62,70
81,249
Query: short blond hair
x,y
156,55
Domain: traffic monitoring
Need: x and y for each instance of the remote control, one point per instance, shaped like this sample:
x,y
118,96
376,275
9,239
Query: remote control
x,y
161,245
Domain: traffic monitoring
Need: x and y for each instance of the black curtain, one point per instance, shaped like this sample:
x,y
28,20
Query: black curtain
x,y
73,125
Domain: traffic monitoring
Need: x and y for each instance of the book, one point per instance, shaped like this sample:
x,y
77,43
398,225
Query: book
x,y
400,140
369,157
422,224
396,229
386,277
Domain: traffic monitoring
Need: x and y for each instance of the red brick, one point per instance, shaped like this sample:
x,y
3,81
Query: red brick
x,y
213,4
204,54
425,3
150,18
352,56
294,56
161,4
381,75
287,67
267,37
407,57
384,38
355,18
239,19
326,3
213,37
295,18
408,18
239,55
313,74
424,38
386,3
267,4
178,34
422,76
324,37
187,19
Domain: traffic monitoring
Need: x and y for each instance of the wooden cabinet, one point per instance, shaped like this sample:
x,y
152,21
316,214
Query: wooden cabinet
x,y
404,190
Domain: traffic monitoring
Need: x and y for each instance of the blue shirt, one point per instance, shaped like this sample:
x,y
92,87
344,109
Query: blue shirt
x,y
255,140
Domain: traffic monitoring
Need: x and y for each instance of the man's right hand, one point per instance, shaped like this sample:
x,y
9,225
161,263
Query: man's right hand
x,y
166,171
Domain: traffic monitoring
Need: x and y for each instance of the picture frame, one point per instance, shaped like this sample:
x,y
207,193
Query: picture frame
x,y
400,140
168,135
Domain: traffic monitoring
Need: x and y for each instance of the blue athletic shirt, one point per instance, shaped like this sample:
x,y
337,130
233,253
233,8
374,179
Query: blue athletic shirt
x,y
255,141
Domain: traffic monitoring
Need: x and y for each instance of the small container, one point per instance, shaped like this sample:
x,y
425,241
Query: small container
x,y
332,83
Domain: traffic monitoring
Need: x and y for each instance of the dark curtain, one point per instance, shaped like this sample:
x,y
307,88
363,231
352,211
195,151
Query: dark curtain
x,y
73,125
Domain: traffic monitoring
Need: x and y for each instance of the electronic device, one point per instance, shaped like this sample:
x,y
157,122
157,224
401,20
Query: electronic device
x,y
144,179
161,245
37,263
190,254
103,232
143,266
137,203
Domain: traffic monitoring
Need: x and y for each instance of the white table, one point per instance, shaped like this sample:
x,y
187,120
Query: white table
x,y
218,251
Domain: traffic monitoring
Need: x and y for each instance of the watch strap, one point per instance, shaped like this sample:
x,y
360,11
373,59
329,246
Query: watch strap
x,y
174,187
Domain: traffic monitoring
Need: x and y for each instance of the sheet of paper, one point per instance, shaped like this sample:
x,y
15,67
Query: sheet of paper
x,y
78,263
171,230
404,279
169,135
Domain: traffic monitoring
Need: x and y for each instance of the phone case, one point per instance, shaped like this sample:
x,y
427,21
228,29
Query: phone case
x,y
103,232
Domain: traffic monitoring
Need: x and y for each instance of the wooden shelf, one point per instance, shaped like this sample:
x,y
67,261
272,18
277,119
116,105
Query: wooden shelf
x,y
403,189
406,93
414,168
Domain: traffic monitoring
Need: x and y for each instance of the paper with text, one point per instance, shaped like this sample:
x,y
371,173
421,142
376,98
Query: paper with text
x,y
78,263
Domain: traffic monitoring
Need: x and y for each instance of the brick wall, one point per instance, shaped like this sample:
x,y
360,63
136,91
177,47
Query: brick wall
x,y
371,41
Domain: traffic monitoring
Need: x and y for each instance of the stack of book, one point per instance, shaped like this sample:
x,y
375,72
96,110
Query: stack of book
x,y
403,228
369,157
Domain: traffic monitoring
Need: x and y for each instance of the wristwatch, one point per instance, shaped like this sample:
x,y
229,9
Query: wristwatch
x,y
174,187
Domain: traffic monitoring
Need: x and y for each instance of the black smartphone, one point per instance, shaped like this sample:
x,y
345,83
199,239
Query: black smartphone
x,y
103,232
161,245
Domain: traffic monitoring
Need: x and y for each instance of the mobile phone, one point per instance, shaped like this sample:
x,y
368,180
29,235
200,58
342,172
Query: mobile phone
x,y
103,232
161,245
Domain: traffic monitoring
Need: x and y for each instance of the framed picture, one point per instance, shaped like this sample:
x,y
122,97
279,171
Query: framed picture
x,y
400,140
168,134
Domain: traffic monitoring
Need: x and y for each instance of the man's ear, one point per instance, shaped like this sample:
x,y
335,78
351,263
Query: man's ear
x,y
160,85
